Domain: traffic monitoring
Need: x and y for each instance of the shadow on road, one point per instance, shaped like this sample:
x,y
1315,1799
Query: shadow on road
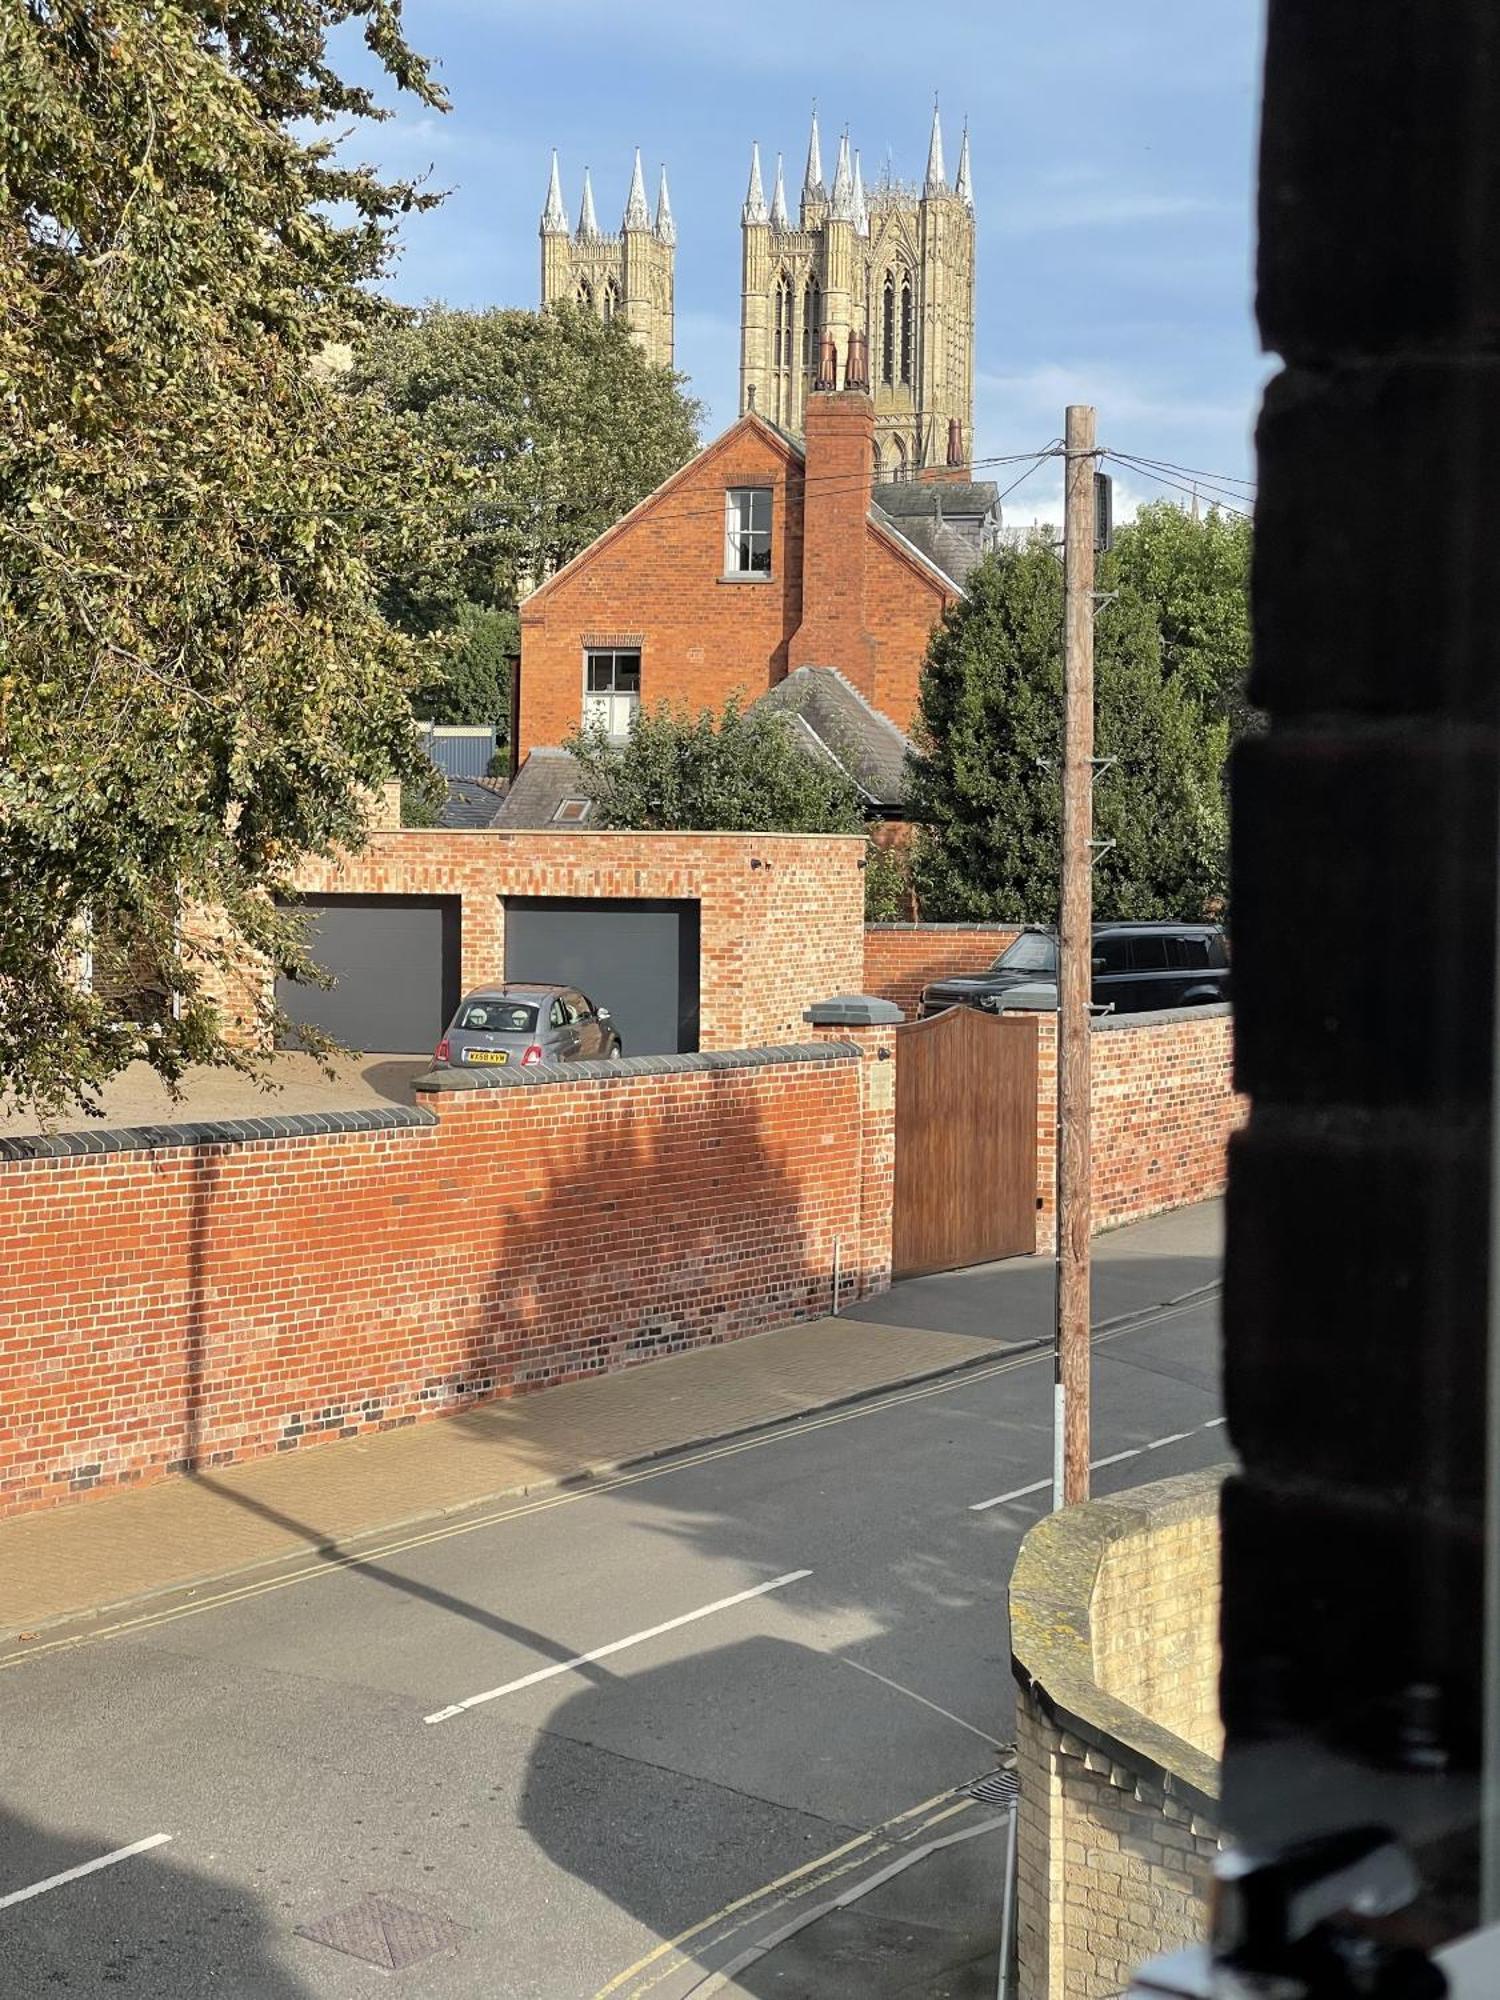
x,y
149,1925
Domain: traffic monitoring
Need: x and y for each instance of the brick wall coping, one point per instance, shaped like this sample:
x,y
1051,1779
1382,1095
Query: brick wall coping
x,y
213,1132
1052,1652
435,1081
645,838
1164,1016
996,924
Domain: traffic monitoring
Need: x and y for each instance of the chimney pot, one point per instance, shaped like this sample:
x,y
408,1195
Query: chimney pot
x,y
828,364
857,368
955,441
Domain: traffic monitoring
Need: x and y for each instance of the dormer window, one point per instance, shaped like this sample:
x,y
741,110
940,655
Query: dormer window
x,y
747,531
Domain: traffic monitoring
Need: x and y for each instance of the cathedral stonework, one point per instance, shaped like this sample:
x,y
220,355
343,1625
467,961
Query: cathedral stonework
x,y
628,275
894,263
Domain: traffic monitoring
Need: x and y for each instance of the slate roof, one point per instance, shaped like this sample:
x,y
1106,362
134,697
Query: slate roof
x,y
845,730
945,546
472,802
834,724
901,498
952,524
538,789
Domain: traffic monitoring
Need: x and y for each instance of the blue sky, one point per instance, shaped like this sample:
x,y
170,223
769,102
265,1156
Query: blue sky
x,y
1114,241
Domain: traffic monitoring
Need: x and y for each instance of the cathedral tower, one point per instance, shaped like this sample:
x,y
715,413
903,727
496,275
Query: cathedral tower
x,y
895,263
630,274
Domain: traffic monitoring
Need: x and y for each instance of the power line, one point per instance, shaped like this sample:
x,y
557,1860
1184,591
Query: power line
x,y
1193,471
1160,479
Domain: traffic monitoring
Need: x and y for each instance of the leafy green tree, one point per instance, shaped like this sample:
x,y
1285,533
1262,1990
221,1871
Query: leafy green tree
x,y
742,771
986,789
196,680
474,685
1194,579
561,422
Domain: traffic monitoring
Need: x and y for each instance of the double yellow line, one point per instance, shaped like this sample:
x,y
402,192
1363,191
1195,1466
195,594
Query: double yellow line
x,y
772,1896
337,1560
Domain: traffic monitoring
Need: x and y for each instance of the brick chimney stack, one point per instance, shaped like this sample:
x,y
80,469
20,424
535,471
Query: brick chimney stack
x,y
839,428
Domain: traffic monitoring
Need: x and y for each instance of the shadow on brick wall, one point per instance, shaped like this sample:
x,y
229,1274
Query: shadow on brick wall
x,y
713,1215
647,1243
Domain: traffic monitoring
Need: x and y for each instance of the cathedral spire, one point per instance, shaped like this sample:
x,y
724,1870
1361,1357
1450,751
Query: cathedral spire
x,y
861,211
937,178
637,215
778,200
842,206
554,215
754,210
812,181
963,187
666,228
588,222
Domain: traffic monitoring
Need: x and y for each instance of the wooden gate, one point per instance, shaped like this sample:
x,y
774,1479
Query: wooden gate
x,y
965,1187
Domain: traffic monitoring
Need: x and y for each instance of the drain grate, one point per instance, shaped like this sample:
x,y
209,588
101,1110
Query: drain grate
x,y
383,1933
999,1788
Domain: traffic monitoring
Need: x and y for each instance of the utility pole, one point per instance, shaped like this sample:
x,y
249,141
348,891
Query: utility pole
x,y
1070,1477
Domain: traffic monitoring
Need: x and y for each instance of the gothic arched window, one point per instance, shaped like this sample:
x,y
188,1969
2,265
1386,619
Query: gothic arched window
x,y
585,294
907,330
781,351
611,301
812,323
888,331
898,452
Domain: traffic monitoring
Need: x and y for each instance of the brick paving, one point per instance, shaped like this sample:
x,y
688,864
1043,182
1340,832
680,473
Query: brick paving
x,y
111,1550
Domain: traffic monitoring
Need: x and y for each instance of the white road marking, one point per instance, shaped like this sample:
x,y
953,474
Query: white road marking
x,y
912,1695
1095,1465
85,1868
617,1645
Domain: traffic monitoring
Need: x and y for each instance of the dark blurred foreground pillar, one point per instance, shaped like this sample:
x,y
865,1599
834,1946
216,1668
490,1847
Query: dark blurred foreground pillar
x,y
1365,833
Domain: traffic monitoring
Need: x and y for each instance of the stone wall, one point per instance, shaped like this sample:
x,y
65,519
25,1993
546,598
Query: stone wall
x,y
1114,1648
197,1295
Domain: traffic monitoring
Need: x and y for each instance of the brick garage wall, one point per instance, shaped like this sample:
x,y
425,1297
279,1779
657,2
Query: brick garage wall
x,y
1164,1106
781,920
900,959
1118,1816
219,1293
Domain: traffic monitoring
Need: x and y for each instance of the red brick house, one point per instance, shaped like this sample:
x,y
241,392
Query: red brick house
x,y
759,558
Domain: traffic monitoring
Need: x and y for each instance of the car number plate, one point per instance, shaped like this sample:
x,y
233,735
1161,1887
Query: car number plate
x,y
486,1055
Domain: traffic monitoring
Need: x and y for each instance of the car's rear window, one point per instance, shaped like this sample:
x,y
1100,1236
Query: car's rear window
x,y
1033,952
497,1017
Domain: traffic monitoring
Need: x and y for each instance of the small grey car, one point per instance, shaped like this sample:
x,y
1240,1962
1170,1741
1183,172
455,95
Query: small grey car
x,y
501,1026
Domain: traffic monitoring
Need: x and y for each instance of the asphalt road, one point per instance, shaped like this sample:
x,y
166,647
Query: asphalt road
x,y
800,1635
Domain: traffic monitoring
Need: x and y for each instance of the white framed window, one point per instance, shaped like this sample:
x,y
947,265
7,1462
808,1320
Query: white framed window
x,y
747,531
611,690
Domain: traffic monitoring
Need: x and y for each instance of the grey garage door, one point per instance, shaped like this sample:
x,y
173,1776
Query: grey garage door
x,y
639,959
396,966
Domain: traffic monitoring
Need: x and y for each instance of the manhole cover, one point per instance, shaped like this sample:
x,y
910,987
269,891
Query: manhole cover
x,y
1000,1788
383,1933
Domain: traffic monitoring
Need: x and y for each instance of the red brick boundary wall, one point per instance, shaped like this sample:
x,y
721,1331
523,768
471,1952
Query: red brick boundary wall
x,y
1164,1106
198,1295
900,959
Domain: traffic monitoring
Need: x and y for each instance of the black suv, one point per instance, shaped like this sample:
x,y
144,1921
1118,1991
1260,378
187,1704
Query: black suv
x,y
1137,969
